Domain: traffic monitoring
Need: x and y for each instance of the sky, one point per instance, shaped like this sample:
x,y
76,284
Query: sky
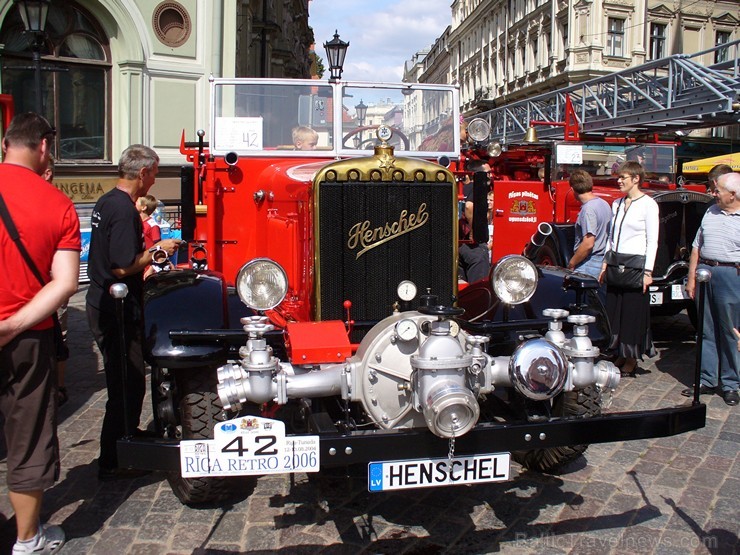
x,y
382,34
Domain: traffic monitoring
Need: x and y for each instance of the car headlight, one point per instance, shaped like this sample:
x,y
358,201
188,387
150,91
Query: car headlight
x,y
538,369
514,279
261,284
479,129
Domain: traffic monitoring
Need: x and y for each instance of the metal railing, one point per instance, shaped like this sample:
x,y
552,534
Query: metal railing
x,y
669,94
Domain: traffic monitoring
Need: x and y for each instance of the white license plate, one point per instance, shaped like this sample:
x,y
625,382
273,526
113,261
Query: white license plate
x,y
678,291
249,446
656,297
425,473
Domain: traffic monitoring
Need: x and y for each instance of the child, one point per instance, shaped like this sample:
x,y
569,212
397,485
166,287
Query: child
x,y
305,138
146,206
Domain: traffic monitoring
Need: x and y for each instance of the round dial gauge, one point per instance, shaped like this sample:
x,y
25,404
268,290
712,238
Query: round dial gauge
x,y
406,290
384,133
406,330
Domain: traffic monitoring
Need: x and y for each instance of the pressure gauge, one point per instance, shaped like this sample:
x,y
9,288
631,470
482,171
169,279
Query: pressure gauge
x,y
406,290
406,330
384,133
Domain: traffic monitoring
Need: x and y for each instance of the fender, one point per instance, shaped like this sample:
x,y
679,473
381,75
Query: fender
x,y
557,288
563,238
184,300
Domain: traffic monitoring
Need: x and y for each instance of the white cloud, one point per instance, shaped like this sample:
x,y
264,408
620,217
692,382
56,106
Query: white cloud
x,y
383,34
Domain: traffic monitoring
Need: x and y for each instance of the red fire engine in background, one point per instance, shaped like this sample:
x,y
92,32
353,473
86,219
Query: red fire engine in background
x,y
636,114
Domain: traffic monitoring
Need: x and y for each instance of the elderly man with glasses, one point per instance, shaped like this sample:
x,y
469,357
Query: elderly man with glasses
x,y
717,248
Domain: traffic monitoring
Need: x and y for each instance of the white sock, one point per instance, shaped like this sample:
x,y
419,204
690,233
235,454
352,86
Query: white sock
x,y
33,542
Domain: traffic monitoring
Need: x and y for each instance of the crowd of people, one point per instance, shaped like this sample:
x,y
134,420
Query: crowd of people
x,y
625,236
40,246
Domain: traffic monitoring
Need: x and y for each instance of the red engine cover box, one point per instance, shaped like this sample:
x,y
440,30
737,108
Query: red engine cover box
x,y
317,342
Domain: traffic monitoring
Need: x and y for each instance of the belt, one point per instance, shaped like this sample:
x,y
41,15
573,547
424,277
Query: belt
x,y
718,263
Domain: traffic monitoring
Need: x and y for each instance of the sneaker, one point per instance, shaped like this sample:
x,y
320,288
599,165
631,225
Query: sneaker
x,y
50,540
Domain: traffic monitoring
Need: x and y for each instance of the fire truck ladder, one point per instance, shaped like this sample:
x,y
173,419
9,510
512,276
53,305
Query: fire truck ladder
x,y
671,94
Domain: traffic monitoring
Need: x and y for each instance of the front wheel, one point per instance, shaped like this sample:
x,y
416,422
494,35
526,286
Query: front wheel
x,y
199,410
547,255
579,404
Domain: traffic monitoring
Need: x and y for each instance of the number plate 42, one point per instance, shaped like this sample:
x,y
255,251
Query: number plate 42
x,y
246,446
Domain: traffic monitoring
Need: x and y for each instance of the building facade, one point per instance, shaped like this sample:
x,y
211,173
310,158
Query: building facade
x,y
501,51
117,72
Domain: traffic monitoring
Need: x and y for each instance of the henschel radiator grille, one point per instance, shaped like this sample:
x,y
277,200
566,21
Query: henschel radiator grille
x,y
373,235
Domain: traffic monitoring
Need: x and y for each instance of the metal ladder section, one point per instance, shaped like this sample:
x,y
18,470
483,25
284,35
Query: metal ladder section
x,y
671,94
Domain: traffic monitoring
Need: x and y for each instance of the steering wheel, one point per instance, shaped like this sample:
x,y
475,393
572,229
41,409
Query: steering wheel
x,y
397,134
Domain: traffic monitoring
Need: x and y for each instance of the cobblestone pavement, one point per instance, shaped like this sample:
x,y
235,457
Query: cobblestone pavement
x,y
666,496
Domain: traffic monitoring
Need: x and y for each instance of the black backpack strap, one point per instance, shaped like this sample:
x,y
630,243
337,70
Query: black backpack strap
x,y
15,236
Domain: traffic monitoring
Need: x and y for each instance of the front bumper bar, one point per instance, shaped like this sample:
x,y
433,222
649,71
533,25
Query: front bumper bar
x,y
340,449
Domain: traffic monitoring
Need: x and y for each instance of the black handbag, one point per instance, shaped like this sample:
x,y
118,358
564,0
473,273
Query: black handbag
x,y
624,271
62,351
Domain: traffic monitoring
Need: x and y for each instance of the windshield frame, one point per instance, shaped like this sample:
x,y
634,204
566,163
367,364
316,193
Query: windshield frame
x,y
340,111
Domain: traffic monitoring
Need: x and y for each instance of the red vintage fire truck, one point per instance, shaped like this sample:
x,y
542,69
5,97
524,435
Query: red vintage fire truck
x,y
319,321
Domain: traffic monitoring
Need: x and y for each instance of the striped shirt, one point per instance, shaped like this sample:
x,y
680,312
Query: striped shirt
x,y
718,237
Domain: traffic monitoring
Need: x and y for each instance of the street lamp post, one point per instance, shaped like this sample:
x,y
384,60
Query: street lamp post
x,y
361,112
33,13
336,50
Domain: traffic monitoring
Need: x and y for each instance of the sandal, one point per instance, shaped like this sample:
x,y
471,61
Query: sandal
x,y
628,372
61,395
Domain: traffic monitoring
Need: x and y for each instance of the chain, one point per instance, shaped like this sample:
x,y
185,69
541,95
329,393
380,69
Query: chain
x,y
451,454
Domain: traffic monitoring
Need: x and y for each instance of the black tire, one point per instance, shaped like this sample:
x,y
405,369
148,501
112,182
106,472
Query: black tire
x,y
547,255
580,404
163,406
200,410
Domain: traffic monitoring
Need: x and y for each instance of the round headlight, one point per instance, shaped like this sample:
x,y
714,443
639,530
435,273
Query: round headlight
x,y
479,129
261,284
538,369
514,279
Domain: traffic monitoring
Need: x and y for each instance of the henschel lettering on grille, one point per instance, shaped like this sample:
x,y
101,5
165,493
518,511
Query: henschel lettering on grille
x,y
362,236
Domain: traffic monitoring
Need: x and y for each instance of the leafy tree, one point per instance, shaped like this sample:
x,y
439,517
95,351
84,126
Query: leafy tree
x,y
317,64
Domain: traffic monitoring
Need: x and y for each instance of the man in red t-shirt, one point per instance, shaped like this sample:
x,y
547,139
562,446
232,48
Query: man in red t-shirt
x,y
50,231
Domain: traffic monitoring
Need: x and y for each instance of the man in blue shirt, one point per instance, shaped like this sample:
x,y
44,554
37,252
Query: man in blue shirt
x,y
592,226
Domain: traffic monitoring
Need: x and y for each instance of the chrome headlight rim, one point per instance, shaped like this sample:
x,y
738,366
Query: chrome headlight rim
x,y
527,284
479,129
263,300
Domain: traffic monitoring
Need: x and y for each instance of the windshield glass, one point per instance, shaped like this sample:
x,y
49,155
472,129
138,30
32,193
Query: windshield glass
x,y
311,118
658,161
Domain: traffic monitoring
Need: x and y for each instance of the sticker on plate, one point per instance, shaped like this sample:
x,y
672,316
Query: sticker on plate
x,y
425,473
250,445
678,291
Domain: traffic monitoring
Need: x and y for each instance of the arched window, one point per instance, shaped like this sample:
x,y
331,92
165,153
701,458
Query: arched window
x,y
75,79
